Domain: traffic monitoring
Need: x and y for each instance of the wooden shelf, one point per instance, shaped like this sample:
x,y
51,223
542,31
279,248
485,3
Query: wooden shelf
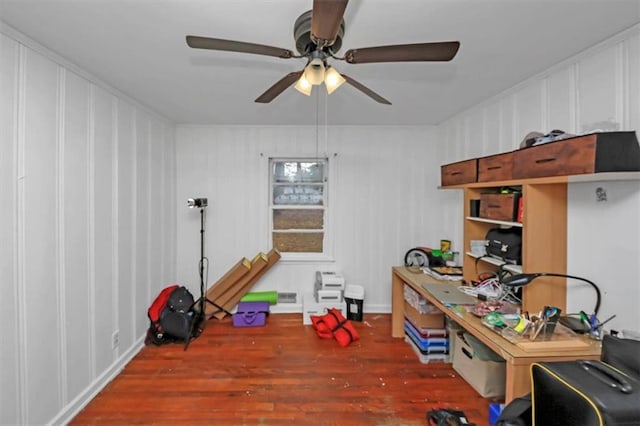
x,y
515,269
495,222
587,177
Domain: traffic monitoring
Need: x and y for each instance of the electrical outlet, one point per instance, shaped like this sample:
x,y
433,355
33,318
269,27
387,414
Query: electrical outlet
x,y
115,339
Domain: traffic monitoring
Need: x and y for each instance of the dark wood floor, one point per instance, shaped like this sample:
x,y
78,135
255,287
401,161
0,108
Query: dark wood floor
x,y
283,374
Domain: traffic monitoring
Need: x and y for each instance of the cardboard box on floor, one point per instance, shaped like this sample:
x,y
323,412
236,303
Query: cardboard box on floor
x,y
225,283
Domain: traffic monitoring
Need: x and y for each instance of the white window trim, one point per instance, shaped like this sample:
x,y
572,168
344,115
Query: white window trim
x,y
328,241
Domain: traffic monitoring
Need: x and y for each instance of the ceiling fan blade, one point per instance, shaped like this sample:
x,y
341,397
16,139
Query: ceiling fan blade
x,y
237,46
278,87
364,89
326,17
443,51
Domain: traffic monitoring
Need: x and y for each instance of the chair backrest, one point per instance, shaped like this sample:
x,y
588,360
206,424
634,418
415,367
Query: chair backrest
x,y
623,354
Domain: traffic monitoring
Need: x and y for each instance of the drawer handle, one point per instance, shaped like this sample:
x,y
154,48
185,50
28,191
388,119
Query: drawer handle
x,y
545,160
455,173
494,206
466,352
494,167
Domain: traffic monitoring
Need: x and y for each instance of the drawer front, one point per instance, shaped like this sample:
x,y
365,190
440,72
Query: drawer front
x,y
569,157
499,206
495,167
459,173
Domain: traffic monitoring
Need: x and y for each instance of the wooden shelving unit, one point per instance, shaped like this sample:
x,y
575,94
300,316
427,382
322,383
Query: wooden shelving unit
x,y
544,232
544,237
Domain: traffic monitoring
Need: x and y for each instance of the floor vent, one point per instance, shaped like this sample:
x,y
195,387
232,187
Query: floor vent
x,y
287,297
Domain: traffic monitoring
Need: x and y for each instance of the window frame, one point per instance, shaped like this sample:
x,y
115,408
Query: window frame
x,y
327,242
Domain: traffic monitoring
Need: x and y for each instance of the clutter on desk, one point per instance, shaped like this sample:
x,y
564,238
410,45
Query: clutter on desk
x,y
426,257
441,264
486,307
492,290
518,328
595,326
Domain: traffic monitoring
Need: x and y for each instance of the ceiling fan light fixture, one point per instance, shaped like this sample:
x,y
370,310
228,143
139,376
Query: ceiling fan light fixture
x,y
303,86
332,79
314,73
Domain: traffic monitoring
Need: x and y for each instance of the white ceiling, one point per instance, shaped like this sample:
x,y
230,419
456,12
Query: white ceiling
x,y
138,46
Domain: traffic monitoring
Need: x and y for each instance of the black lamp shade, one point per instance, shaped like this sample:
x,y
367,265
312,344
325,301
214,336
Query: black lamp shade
x,y
524,279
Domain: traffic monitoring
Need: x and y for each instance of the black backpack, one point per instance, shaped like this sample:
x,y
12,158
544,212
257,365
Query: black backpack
x,y
177,318
172,316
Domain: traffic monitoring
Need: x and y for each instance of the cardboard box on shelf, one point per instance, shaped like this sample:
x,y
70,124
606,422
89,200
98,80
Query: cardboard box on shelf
x,y
435,320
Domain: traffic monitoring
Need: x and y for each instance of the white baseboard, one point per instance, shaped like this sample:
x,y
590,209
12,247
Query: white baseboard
x,y
296,308
77,404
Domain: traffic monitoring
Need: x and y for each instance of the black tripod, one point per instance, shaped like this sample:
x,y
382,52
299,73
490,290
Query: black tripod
x,y
200,317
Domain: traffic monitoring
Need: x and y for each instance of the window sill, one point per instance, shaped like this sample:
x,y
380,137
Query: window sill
x,y
302,258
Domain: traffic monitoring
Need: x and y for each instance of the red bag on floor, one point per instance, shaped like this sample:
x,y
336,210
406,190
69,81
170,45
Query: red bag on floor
x,y
342,329
322,329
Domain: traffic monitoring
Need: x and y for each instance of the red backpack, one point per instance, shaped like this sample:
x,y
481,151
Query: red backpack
x,y
155,333
159,304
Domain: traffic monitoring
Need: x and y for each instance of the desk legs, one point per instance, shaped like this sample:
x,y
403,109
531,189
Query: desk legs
x,y
397,306
517,382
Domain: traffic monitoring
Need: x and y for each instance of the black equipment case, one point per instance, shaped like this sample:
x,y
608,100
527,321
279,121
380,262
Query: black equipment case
x,y
584,393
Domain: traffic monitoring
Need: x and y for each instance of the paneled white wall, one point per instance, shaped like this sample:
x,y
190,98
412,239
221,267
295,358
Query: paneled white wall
x,y
87,224
598,89
383,192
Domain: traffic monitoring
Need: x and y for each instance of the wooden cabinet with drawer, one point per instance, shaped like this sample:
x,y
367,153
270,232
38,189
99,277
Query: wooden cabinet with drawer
x,y
499,206
495,167
593,153
459,173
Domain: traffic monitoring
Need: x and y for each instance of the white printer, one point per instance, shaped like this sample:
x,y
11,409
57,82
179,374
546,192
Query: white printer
x,y
329,280
328,287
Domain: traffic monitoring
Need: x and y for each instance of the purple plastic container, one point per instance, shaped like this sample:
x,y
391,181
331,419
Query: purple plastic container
x,y
251,314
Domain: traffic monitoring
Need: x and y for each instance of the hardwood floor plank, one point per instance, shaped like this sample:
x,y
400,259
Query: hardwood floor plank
x,y
282,374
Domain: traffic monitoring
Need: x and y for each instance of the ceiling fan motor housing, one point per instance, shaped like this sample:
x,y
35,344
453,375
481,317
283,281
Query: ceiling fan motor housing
x,y
302,35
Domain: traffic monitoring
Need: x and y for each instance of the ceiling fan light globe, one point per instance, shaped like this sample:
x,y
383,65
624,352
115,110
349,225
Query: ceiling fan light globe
x,y
303,86
332,79
314,73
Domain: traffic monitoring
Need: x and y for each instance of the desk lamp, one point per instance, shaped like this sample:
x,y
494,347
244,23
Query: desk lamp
x,y
574,324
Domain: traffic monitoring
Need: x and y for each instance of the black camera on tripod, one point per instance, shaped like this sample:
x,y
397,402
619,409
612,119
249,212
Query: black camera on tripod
x,y
197,203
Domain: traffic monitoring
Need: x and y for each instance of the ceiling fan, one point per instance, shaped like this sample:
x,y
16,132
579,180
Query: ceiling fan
x,y
318,35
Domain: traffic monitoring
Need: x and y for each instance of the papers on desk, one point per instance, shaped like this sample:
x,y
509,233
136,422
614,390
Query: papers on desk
x,y
444,273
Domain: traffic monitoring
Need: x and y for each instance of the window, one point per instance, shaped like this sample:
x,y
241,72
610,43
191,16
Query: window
x,y
298,205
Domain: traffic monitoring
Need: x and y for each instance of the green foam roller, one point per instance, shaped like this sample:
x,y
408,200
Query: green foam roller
x,y
261,296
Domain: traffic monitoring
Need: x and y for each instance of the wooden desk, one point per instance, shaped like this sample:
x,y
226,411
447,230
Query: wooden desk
x,y
518,380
